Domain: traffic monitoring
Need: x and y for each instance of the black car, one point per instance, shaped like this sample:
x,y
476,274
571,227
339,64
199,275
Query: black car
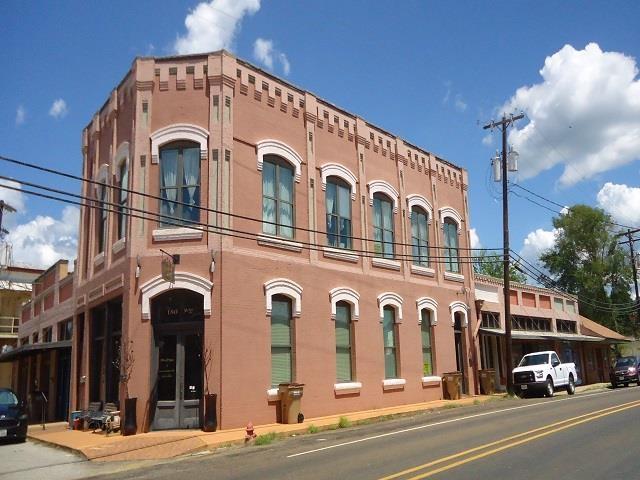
x,y
13,416
624,372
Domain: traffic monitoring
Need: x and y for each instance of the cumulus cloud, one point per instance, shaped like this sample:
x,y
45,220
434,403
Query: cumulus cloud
x,y
44,240
621,202
213,25
583,115
21,115
475,239
58,109
265,53
536,243
487,140
14,198
459,104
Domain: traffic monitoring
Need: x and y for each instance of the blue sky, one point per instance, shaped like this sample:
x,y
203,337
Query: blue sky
x,y
431,72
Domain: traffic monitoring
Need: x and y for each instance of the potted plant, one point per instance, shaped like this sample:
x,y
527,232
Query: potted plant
x,y
130,426
210,422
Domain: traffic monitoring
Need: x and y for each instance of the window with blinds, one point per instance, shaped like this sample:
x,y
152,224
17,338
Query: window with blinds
x,y
389,341
427,355
281,358
344,370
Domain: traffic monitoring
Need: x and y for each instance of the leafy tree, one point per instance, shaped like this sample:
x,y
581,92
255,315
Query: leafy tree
x,y
493,266
587,261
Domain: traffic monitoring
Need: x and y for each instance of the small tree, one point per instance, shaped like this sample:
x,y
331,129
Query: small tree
x,y
493,266
126,368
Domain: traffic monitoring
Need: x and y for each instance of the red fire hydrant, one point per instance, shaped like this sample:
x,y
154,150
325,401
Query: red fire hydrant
x,y
250,434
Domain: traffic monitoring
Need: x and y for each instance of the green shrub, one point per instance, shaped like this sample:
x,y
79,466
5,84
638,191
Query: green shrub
x,y
313,429
265,439
344,422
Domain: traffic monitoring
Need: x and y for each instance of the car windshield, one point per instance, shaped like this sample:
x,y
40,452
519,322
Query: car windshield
x,y
626,362
537,359
8,398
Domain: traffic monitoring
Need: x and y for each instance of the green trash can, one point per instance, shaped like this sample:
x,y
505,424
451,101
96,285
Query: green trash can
x,y
487,381
452,385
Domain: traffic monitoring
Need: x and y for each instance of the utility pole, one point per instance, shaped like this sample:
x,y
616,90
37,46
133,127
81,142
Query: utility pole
x,y
630,240
503,125
4,206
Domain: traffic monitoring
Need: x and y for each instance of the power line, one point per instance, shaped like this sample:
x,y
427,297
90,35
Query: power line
x,y
201,208
169,220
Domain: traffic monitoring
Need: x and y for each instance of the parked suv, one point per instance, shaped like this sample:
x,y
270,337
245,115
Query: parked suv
x,y
624,372
13,416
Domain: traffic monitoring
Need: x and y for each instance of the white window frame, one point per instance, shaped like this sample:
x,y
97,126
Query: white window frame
x,y
380,186
280,149
345,294
286,287
336,170
178,132
393,299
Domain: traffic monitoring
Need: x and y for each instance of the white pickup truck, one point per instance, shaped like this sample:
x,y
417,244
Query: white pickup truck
x,y
543,372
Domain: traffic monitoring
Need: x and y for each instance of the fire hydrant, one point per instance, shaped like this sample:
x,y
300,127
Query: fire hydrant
x,y
250,434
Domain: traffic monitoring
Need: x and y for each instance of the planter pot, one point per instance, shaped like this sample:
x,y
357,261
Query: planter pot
x,y
210,423
130,421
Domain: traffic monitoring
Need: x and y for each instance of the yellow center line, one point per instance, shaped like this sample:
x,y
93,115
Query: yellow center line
x,y
599,413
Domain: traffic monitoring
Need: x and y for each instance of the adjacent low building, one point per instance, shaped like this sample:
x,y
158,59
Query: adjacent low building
x,y
541,319
42,360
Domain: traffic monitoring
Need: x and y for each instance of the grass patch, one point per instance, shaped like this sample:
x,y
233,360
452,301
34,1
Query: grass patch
x,y
477,402
313,429
449,406
344,422
265,439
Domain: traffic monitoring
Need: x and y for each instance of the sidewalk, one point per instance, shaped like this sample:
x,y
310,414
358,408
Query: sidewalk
x,y
173,443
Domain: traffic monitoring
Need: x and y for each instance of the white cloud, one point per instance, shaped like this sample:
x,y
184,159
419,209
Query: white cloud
x,y
487,140
14,198
213,25
475,239
264,52
21,115
44,240
536,243
621,202
459,104
58,109
584,114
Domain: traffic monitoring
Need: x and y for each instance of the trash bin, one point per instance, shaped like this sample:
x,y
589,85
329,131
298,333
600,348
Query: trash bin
x,y
290,395
487,381
453,385
75,419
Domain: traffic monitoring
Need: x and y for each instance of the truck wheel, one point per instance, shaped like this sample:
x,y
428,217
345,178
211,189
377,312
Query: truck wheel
x,y
571,386
548,391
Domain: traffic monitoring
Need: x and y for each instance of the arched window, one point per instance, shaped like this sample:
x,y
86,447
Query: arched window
x,y
102,221
180,182
277,197
450,232
426,331
389,333
281,335
338,203
123,185
419,237
382,226
344,336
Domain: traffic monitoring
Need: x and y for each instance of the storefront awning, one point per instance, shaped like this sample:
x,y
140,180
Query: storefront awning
x,y
520,335
26,350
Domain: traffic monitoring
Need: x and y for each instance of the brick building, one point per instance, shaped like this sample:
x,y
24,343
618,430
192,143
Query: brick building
x,y
313,247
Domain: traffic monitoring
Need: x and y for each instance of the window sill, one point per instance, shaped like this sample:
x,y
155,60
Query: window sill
x,y
431,381
180,233
456,277
272,394
385,263
347,388
98,259
340,254
393,384
278,242
426,271
119,245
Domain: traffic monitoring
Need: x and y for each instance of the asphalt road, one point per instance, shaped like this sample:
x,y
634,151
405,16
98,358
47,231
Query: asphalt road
x,y
590,435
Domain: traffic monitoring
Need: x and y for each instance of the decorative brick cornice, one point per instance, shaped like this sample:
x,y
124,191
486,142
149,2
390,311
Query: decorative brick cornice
x,y
222,79
144,85
310,117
